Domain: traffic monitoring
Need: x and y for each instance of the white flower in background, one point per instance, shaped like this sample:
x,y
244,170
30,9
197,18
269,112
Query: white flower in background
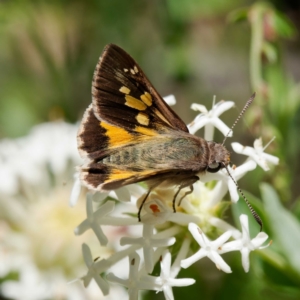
x,y
94,218
29,285
48,146
170,100
133,282
210,119
95,267
257,153
36,239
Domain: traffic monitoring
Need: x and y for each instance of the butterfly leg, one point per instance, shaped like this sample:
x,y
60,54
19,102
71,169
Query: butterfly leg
x,y
187,193
142,204
144,200
174,199
187,182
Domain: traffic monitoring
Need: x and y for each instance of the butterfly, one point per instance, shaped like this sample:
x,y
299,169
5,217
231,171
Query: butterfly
x,y
129,134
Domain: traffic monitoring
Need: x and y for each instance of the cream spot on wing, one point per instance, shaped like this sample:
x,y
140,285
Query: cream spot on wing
x,y
124,90
135,103
158,113
143,119
132,71
147,99
135,69
125,70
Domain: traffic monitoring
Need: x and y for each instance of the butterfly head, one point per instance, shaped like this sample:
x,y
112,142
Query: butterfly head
x,y
219,157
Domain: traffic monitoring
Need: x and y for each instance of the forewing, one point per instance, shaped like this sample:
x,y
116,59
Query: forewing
x,y
124,97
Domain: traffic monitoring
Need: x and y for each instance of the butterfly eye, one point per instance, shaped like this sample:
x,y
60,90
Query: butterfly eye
x,y
214,167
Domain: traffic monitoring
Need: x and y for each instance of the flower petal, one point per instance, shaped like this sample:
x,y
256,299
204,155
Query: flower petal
x,y
170,99
221,107
259,239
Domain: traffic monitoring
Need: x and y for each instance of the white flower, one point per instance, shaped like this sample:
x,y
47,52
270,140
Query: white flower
x,y
167,278
208,248
158,213
148,241
28,287
93,219
133,282
256,153
94,269
76,189
170,100
224,226
245,244
49,146
210,119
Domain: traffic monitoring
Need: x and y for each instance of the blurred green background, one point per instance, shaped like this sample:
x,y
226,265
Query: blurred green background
x,y
193,49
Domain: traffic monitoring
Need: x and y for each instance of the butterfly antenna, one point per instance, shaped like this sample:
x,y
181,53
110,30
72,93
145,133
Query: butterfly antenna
x,y
248,103
252,210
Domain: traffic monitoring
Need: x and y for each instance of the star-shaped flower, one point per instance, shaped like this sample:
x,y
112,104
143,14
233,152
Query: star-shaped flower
x,y
245,244
133,283
210,119
93,219
148,242
256,153
167,279
208,248
94,269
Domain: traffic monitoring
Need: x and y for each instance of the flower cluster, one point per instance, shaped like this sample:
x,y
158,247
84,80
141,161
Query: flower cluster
x,y
37,257
143,244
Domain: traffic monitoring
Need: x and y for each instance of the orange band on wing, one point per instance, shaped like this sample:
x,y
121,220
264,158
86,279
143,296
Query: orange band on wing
x,y
120,174
117,136
117,174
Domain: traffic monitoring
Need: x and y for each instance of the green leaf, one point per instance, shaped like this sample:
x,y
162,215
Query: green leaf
x,y
238,15
285,227
284,26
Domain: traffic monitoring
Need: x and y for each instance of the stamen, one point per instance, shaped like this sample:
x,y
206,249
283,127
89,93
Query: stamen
x,y
214,101
272,139
266,246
